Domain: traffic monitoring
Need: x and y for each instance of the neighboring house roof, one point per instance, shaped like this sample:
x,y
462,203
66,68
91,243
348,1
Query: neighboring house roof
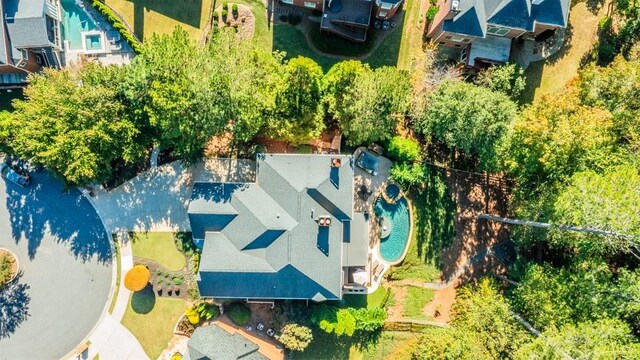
x,y
26,24
262,239
470,21
474,15
4,40
513,14
213,342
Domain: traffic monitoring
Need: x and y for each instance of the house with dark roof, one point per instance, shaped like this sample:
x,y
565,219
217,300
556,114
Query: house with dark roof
x,y
291,234
349,18
485,29
30,38
214,343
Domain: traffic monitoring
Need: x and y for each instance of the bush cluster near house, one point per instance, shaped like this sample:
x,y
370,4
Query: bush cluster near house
x,y
202,312
295,337
346,321
239,313
117,24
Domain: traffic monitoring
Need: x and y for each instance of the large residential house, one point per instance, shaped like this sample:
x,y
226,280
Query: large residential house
x,y
349,18
30,38
291,234
486,29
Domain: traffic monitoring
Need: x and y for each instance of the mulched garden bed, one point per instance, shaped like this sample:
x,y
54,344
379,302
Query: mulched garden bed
x,y
166,283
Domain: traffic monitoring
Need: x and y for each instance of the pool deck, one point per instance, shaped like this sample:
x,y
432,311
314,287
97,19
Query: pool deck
x,y
114,51
377,266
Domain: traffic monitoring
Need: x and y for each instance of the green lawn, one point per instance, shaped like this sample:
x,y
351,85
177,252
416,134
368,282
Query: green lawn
x,y
290,40
551,75
369,301
415,301
151,320
159,247
396,345
147,17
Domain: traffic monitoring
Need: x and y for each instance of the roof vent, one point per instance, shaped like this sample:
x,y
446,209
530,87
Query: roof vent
x,y
455,5
324,220
336,162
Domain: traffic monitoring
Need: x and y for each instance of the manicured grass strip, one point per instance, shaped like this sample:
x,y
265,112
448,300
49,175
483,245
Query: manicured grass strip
x,y
416,300
116,246
396,345
159,247
369,301
151,320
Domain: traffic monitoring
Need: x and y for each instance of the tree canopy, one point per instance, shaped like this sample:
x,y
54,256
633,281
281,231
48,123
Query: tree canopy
x,y
72,122
609,202
468,118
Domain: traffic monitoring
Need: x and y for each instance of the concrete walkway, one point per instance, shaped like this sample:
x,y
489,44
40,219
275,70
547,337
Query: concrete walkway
x,y
110,339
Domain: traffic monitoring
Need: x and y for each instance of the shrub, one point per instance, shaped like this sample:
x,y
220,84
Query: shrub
x,y
177,281
225,5
207,311
193,315
295,337
215,15
176,356
403,149
508,79
224,13
137,278
234,8
159,272
331,319
432,12
408,175
117,24
369,319
239,313
6,267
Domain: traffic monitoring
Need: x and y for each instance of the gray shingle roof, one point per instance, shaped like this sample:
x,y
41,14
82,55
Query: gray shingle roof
x,y
213,342
26,23
474,15
470,21
4,50
272,246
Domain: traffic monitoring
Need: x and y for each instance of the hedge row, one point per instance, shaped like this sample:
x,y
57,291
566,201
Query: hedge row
x,y
118,25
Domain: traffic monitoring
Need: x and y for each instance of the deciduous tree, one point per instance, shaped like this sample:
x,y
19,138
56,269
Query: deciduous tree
x,y
295,337
468,118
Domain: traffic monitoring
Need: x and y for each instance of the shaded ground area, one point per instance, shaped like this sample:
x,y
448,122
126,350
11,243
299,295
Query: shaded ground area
x,y
551,75
147,17
474,194
65,261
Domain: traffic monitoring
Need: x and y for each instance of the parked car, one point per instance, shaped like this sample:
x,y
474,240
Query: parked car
x,y
9,174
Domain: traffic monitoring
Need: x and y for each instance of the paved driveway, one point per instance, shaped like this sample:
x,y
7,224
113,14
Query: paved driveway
x,y
158,199
65,255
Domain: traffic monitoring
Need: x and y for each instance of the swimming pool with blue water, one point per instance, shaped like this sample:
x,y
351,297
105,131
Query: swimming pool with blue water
x,y
393,246
75,22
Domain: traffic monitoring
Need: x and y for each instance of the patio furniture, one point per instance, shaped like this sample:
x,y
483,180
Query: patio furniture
x,y
375,147
260,326
270,332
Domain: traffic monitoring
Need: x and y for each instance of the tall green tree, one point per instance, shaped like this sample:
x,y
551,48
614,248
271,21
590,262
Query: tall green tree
x,y
610,202
183,92
73,123
553,297
508,79
254,76
299,114
482,311
450,344
556,137
468,118
603,339
378,101
338,87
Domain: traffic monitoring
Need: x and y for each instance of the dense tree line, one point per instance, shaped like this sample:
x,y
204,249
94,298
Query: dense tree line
x,y
79,122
